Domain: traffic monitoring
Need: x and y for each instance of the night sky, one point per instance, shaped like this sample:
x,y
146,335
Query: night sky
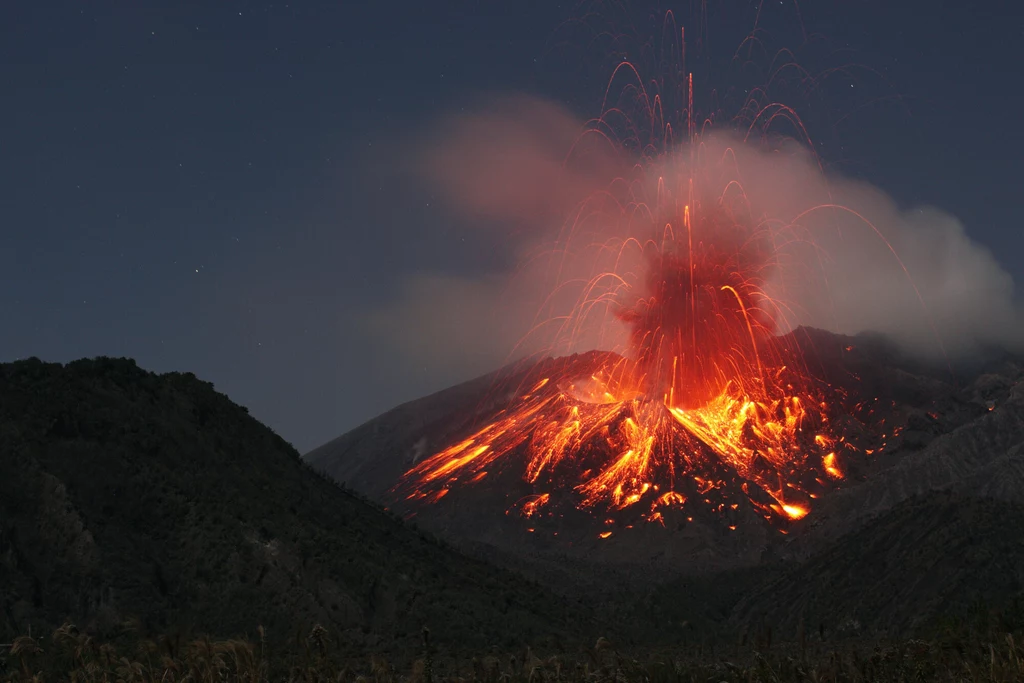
x,y
196,184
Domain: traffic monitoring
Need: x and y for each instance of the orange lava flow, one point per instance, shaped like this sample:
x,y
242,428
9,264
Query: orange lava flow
x,y
706,393
703,395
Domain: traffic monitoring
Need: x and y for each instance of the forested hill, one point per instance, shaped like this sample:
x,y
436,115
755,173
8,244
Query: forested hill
x,y
128,496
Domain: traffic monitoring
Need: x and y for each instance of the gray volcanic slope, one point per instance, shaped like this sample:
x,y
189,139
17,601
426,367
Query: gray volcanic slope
x,y
932,558
372,457
964,435
981,458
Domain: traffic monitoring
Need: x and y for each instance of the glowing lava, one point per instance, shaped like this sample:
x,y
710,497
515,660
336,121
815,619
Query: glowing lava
x,y
705,402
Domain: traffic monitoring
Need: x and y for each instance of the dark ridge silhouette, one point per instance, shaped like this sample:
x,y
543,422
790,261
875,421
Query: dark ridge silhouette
x,y
131,496
137,504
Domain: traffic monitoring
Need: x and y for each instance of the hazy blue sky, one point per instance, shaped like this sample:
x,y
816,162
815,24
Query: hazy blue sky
x,y
195,184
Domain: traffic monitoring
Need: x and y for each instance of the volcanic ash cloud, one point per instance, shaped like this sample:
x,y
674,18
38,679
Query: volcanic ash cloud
x,y
562,202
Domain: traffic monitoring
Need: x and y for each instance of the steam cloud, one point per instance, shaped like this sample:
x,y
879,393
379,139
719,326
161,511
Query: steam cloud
x,y
866,265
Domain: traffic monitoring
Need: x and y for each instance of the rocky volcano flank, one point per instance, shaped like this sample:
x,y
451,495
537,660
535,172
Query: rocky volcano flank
x,y
932,427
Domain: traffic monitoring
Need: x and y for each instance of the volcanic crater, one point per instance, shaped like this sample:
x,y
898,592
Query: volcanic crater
x,y
705,515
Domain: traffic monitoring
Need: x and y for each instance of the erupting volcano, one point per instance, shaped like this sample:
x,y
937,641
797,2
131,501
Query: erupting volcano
x,y
705,397
706,394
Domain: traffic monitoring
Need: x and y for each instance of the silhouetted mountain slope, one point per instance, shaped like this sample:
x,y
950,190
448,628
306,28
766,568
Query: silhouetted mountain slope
x,y
927,558
129,494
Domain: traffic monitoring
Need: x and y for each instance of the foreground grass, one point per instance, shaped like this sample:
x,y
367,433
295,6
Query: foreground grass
x,y
75,656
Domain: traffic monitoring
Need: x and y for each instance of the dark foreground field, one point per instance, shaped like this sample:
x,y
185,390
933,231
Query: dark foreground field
x,y
989,648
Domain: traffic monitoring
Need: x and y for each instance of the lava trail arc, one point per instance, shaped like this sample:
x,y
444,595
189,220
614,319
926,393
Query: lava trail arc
x,y
703,400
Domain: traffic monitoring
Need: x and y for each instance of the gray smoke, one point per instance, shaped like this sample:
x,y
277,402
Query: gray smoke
x,y
853,260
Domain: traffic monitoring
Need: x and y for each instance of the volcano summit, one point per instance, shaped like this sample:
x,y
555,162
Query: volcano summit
x,y
676,407
684,508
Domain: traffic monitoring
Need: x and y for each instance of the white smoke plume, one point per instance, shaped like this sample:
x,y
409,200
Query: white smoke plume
x,y
866,264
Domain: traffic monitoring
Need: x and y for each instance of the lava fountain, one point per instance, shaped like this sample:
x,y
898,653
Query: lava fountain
x,y
704,401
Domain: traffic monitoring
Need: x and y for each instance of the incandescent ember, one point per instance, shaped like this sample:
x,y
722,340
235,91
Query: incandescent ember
x,y
706,401
710,407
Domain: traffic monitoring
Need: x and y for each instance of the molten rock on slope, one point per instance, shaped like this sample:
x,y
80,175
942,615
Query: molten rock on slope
x,y
896,436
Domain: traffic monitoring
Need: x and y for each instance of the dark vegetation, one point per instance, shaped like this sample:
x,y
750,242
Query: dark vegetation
x,y
979,650
150,510
129,495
